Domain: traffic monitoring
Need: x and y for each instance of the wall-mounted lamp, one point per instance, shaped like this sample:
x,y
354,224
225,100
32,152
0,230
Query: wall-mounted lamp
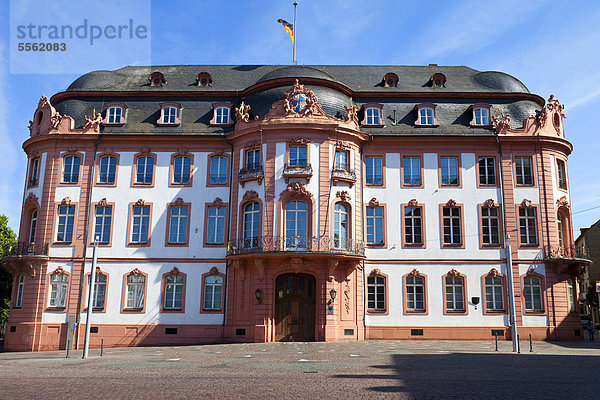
x,y
258,294
332,295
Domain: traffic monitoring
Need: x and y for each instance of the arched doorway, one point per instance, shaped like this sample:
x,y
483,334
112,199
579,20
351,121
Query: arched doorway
x,y
295,308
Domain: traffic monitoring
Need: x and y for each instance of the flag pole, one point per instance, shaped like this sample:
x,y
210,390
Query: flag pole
x,y
295,34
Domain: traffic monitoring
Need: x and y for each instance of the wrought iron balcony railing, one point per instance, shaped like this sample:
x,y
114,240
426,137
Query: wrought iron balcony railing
x,y
565,252
26,249
346,174
305,170
302,244
250,173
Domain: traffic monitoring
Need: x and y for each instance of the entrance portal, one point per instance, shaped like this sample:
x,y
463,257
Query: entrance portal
x,y
295,308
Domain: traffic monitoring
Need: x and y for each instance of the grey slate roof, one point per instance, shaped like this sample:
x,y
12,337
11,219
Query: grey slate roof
x,y
452,113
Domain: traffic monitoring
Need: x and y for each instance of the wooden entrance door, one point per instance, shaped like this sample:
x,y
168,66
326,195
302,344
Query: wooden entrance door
x,y
295,308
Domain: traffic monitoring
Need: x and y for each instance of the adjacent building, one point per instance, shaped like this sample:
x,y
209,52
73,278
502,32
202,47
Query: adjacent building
x,y
260,203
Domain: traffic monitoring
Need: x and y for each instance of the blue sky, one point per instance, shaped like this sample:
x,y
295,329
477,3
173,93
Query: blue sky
x,y
551,46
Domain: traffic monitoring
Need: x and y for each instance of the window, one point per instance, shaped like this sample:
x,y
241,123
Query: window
x,y
253,160
490,226
108,169
523,171
169,115
32,226
213,293
341,160
426,116
215,225
103,223
372,116
174,292
298,156
494,293
98,301
71,169
449,171
114,115
251,225
144,170
374,170
532,291
452,226
222,115
296,220
455,294
182,168
340,231
178,224
376,288
411,171
136,288
572,298
487,170
218,170
34,171
59,285
559,225
375,233
413,226
20,290
140,232
481,116
66,220
562,175
415,293
528,226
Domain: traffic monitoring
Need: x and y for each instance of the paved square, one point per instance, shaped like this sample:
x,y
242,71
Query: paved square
x,y
333,370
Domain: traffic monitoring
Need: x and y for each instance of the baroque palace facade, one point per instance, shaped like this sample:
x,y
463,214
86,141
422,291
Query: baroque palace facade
x,y
266,203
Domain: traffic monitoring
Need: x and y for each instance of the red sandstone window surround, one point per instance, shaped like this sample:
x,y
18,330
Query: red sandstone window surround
x,y
19,288
437,80
533,292
173,291
100,291
71,169
139,227
376,230
415,292
216,220
561,174
170,114
217,173
494,291
413,222
390,80
212,292
65,227
375,170
34,172
157,79
181,169
373,115
178,225
449,171
455,293
115,114
486,171
412,171
135,288
144,169
524,170
58,290
529,227
104,213
222,114
377,292
108,168
452,224
426,115
490,224
481,115
204,79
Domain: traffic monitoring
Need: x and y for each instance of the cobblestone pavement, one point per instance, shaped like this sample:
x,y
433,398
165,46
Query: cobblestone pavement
x,y
334,370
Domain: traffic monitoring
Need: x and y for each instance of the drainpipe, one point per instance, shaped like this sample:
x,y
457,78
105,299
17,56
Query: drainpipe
x,y
362,195
227,263
507,250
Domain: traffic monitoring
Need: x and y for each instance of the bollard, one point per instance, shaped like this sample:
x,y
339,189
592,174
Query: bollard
x,y
518,345
496,342
102,346
67,352
530,344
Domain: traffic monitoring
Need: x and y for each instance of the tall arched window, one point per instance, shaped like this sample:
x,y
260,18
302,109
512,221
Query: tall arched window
x,y
340,229
251,224
32,226
296,224
561,238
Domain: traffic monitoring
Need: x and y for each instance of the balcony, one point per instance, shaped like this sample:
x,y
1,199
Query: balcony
x,y
26,249
296,244
252,173
305,172
343,175
565,252
25,257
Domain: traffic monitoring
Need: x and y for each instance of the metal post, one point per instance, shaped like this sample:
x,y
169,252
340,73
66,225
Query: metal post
x,y
88,320
496,342
511,293
101,347
295,34
518,345
67,352
530,344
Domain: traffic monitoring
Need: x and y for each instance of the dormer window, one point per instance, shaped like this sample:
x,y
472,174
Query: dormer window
x,y
372,115
221,114
426,115
390,80
437,80
115,114
157,79
481,115
169,114
203,79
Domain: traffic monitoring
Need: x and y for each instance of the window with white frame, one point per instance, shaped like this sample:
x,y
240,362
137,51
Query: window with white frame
x,y
481,115
415,293
490,226
452,225
373,116
215,230
523,170
99,298
455,299
108,169
341,225
532,291
178,224
213,293
561,174
20,290
218,170
298,156
426,116
144,170
412,171
413,225
173,292
251,225
182,168
449,170
66,221
103,223
59,287
114,114
169,115
140,224
34,171
528,226
375,234
341,160
253,159
487,170
222,115
494,293
136,287
376,293
32,226
296,220
71,169
572,298
374,170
